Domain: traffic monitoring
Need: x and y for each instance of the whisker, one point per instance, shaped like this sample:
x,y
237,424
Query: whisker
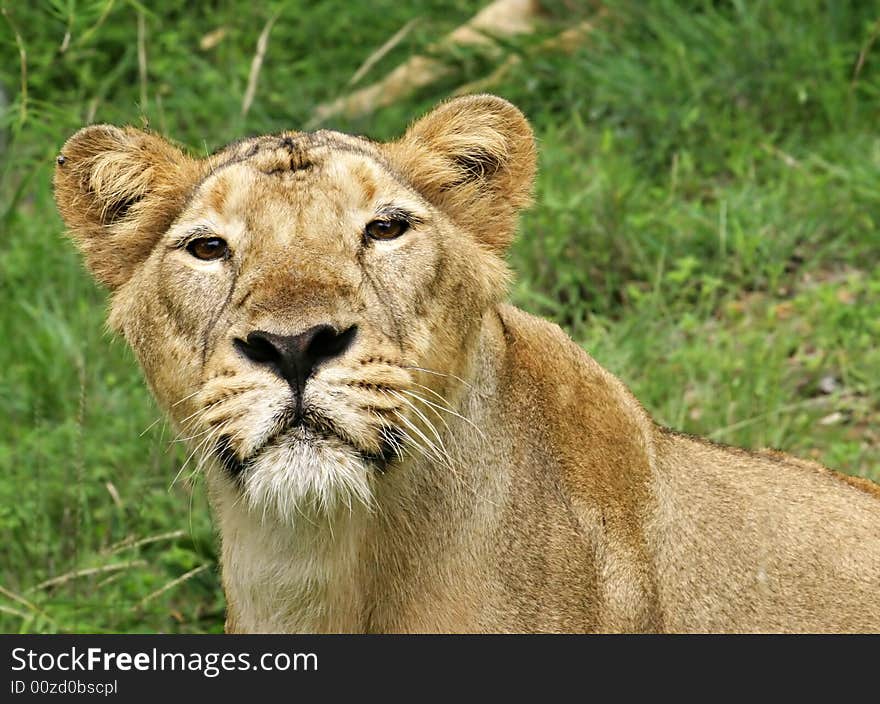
x,y
445,409
432,407
200,447
428,388
434,371
199,434
438,456
214,402
185,427
421,415
411,442
147,429
448,464
202,411
446,459
186,398
392,440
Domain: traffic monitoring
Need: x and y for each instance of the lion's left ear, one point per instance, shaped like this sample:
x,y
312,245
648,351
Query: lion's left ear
x,y
118,190
473,157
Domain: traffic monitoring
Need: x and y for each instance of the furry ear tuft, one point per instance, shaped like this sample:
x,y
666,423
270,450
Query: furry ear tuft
x,y
118,190
474,157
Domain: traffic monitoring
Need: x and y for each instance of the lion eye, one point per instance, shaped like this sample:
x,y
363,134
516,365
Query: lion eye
x,y
386,229
208,248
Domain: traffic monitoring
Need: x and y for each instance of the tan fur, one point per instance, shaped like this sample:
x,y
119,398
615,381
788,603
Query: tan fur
x,y
466,468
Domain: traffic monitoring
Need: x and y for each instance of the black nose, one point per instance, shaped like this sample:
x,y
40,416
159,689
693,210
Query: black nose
x,y
295,357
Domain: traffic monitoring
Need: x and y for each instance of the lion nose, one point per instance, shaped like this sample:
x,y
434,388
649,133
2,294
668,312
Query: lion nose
x,y
295,357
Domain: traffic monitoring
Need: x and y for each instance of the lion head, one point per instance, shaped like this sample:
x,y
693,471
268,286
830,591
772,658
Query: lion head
x,y
302,304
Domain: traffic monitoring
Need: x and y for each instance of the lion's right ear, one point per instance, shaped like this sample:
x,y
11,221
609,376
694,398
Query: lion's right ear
x,y
118,191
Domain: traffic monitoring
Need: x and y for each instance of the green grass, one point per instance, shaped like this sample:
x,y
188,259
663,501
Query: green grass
x,y
706,225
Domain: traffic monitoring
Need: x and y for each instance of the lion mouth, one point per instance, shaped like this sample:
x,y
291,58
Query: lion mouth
x,y
310,429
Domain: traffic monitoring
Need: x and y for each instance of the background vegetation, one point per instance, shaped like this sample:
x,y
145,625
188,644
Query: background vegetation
x,y
706,226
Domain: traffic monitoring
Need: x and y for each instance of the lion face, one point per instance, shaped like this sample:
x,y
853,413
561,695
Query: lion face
x,y
304,279
304,303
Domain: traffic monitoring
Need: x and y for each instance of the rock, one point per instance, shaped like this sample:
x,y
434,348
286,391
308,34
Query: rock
x,y
828,384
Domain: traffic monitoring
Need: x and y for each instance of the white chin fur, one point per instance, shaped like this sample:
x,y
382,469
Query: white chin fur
x,y
304,473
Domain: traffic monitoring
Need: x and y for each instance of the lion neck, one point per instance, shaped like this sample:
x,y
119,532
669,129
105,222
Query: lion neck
x,y
411,563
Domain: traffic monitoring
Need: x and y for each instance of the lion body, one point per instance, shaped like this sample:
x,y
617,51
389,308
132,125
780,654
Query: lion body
x,y
463,466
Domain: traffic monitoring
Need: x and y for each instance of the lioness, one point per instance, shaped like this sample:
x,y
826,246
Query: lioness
x,y
390,447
